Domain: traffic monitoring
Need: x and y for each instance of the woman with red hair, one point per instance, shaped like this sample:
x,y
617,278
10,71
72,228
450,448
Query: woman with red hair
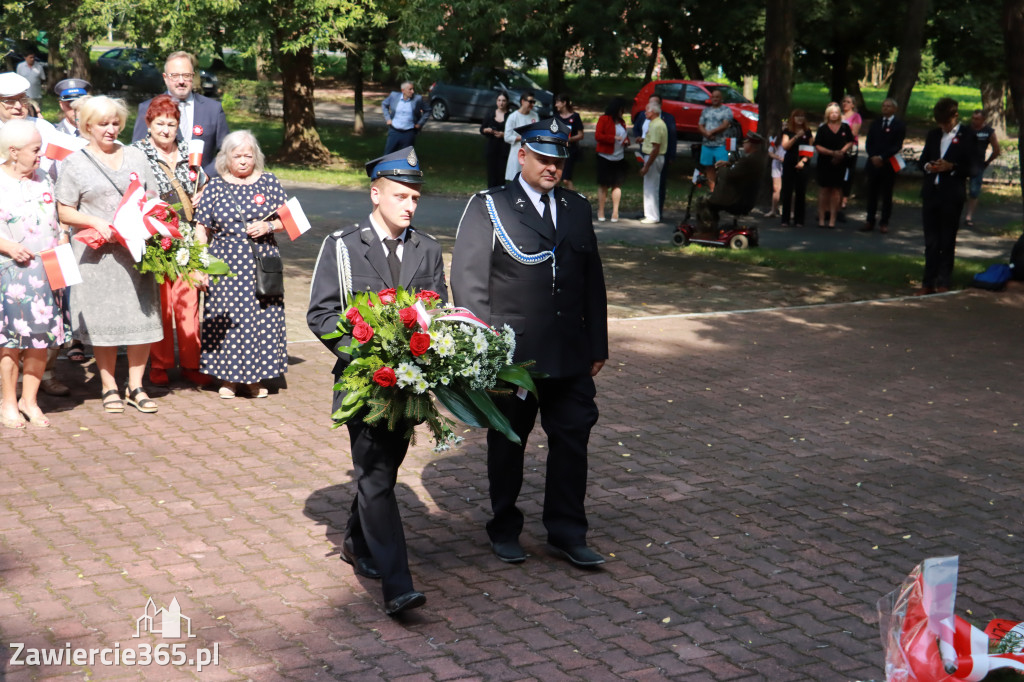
x,y
178,184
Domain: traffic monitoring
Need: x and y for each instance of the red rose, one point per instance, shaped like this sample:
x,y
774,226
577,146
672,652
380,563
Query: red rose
x,y
385,376
165,243
353,316
419,343
409,317
362,332
387,296
427,296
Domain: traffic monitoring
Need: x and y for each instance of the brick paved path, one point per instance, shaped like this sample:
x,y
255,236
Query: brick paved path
x,y
759,481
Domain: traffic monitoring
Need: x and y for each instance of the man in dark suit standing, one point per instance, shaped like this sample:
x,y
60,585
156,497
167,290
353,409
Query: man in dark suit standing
x,y
405,114
384,252
946,160
201,117
885,140
526,255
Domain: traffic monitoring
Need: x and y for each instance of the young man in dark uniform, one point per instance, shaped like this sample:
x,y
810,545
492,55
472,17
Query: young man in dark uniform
x,y
383,252
526,255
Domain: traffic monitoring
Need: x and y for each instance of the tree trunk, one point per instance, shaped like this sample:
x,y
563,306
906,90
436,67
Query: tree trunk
x,y
748,87
773,92
1013,38
908,64
840,62
79,56
651,63
673,65
262,67
556,68
354,72
301,141
993,103
693,70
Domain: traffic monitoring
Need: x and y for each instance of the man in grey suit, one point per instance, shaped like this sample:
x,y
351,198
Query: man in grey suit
x,y
405,114
201,117
526,255
384,252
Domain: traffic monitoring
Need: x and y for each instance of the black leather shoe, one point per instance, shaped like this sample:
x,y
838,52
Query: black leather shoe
x,y
404,602
364,566
510,551
581,555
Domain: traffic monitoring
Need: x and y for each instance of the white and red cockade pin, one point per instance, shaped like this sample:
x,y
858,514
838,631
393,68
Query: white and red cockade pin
x,y
197,129
259,199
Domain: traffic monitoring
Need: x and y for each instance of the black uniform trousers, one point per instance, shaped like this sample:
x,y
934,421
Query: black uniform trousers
x,y
940,214
568,412
880,183
375,525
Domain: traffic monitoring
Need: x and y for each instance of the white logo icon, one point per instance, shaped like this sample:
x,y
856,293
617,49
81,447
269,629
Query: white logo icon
x,y
165,622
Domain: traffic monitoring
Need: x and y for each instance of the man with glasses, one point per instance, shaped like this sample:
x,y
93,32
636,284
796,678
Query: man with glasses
x,y
201,117
522,116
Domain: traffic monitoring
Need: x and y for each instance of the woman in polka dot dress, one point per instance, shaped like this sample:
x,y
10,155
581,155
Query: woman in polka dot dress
x,y
243,337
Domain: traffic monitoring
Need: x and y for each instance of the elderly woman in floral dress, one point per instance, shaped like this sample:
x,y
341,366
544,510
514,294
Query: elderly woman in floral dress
x,y
33,317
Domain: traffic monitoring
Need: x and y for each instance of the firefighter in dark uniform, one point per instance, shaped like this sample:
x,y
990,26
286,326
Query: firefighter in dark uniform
x,y
526,255
383,252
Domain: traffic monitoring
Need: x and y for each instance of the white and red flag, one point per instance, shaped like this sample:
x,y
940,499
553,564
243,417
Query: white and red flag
x,y
60,146
137,219
806,150
61,266
731,144
195,152
897,162
294,218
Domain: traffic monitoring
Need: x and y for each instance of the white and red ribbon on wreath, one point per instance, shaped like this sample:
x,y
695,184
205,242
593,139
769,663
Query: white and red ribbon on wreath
x,y
464,315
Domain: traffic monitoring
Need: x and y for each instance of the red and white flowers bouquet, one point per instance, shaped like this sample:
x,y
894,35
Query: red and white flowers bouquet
x,y
407,350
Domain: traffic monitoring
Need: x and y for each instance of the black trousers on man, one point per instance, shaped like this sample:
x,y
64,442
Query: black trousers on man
x,y
941,221
375,525
880,183
567,412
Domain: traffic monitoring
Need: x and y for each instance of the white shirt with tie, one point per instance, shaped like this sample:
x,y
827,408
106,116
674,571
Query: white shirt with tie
x,y
535,198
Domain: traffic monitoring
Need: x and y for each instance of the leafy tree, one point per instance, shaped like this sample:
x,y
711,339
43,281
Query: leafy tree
x,y
1013,37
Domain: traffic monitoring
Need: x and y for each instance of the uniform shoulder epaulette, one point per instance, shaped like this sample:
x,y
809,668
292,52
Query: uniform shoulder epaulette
x,y
491,190
345,231
423,234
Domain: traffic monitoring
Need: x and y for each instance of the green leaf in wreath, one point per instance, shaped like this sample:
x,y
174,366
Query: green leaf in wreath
x,y
461,407
376,409
518,376
497,420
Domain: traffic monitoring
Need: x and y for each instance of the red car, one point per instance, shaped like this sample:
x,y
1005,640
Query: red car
x,y
686,100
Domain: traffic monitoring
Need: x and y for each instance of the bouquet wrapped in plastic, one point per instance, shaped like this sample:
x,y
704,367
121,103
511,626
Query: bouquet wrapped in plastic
x,y
407,350
925,641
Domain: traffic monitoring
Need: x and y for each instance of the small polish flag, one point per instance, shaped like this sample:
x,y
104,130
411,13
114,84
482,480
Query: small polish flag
x,y
60,146
294,218
61,267
731,144
806,150
137,219
897,162
195,152
640,158
696,175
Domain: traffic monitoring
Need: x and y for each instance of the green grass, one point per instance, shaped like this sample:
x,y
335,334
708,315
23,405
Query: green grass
x,y
813,97
889,270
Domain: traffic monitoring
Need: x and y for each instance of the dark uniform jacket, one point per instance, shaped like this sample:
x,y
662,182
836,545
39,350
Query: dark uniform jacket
x,y
738,184
950,189
422,268
561,324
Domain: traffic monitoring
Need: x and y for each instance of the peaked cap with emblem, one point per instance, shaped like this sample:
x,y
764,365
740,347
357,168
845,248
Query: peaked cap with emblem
x,y
71,89
549,137
401,166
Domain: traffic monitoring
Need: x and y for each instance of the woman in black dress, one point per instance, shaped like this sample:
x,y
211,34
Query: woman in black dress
x,y
833,140
496,149
572,120
243,338
794,174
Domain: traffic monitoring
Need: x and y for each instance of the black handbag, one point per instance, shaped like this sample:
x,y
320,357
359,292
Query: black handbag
x,y
269,274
